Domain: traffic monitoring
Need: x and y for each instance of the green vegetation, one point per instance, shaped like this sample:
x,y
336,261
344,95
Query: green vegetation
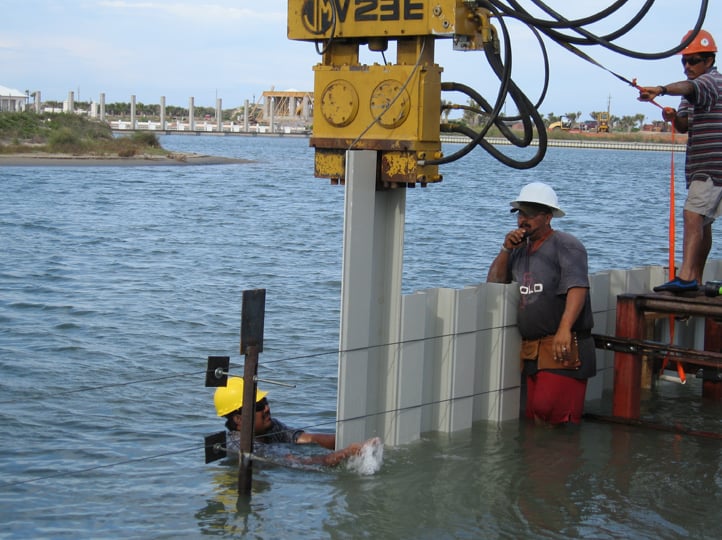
x,y
59,133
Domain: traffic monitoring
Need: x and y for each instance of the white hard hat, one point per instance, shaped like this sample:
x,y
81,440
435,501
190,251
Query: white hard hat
x,y
538,193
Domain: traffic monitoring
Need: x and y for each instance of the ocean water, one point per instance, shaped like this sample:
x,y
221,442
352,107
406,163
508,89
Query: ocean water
x,y
116,283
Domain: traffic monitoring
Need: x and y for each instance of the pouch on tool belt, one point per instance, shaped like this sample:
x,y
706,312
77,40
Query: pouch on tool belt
x,y
542,351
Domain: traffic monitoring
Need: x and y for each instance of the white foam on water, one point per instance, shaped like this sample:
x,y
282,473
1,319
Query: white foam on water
x,y
369,460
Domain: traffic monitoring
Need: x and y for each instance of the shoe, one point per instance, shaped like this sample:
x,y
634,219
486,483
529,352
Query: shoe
x,y
678,285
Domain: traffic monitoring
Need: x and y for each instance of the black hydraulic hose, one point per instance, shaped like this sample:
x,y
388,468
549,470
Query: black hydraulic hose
x,y
528,111
593,39
546,26
608,37
524,105
545,87
503,91
500,124
563,23
486,108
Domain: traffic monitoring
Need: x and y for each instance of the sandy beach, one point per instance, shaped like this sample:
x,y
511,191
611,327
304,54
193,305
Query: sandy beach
x,y
59,160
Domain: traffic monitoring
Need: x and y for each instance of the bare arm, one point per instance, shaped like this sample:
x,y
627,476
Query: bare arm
x,y
499,271
327,440
681,88
332,459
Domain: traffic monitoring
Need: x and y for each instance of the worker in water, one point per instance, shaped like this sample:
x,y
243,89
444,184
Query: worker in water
x,y
700,116
554,314
267,430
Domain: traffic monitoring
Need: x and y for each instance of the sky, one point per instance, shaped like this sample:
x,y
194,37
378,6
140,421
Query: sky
x,y
236,50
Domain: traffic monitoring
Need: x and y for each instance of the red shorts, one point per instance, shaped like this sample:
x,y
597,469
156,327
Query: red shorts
x,y
555,399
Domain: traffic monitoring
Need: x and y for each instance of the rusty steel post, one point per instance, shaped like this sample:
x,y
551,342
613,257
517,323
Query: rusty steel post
x,y
248,413
712,386
252,322
627,366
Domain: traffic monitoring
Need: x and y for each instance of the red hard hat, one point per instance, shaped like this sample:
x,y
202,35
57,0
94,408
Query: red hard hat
x,y
703,42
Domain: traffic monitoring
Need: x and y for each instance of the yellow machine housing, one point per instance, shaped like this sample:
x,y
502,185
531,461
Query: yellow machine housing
x,y
393,108
316,20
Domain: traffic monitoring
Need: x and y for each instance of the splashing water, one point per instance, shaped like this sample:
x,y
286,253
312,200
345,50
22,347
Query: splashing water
x,y
369,460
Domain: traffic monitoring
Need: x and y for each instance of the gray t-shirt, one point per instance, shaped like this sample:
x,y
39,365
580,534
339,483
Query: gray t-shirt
x,y
279,433
544,277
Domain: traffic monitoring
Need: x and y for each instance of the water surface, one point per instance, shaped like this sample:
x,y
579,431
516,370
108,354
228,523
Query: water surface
x,y
117,283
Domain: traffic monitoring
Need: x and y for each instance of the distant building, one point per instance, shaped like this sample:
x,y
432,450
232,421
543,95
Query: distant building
x,y
287,107
12,100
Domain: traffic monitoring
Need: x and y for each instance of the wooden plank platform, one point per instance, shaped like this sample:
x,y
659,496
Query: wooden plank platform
x,y
630,324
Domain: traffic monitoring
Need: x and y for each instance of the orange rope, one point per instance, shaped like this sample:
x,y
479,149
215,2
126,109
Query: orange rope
x,y
635,85
680,367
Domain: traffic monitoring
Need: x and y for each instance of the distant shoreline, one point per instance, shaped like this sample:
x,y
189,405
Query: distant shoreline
x,y
60,160
185,159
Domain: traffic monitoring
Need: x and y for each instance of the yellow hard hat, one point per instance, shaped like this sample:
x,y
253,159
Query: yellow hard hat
x,y
703,42
229,398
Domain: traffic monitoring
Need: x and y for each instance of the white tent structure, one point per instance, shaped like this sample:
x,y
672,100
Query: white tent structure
x,y
12,100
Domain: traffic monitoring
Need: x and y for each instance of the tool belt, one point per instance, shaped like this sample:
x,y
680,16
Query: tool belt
x,y
542,351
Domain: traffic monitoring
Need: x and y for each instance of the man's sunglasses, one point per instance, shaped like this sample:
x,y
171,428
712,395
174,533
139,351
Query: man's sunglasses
x,y
692,60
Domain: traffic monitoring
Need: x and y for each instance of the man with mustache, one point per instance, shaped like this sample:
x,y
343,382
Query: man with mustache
x,y
555,315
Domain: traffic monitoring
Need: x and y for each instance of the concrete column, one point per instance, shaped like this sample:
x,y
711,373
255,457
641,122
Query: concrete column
x,y
37,101
70,104
272,116
133,122
162,113
245,116
219,115
102,106
305,107
191,114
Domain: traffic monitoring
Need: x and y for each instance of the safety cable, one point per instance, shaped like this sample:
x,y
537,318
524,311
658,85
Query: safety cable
x,y
266,363
589,416
196,373
203,447
104,466
335,421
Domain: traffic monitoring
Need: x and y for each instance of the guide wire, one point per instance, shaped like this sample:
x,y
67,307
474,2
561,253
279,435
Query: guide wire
x,y
104,466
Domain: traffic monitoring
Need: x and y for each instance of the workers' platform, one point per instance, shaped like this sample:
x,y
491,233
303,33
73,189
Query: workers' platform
x,y
631,346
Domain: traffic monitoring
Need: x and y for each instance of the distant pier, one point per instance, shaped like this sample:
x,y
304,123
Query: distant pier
x,y
577,143
230,128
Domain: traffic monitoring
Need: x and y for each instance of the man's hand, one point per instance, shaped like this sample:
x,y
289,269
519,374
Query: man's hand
x,y
514,239
562,344
648,93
